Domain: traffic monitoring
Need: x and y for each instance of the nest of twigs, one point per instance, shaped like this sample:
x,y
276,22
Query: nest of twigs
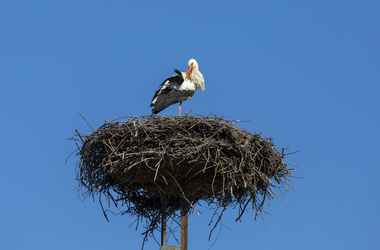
x,y
131,161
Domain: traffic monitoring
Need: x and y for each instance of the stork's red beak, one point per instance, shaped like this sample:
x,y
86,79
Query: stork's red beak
x,y
189,73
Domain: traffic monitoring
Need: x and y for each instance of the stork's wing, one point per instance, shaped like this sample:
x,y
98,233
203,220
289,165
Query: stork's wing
x,y
169,97
176,79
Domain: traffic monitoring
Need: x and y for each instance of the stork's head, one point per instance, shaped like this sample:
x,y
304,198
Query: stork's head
x,y
192,65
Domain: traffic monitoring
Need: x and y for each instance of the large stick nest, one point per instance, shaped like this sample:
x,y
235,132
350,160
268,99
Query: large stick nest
x,y
133,160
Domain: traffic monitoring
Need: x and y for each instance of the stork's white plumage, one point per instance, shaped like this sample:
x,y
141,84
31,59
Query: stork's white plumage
x,y
178,88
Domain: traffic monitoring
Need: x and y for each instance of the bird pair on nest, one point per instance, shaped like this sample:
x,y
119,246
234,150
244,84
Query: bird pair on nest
x,y
178,88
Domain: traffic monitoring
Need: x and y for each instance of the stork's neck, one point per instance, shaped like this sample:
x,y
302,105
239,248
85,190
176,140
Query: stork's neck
x,y
197,78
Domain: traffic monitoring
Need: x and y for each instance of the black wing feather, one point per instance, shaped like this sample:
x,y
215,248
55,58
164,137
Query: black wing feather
x,y
173,79
169,97
178,78
180,74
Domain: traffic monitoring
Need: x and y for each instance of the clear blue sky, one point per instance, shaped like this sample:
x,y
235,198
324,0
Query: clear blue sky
x,y
304,72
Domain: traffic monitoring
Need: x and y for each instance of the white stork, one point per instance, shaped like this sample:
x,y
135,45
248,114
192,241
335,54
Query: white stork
x,y
178,88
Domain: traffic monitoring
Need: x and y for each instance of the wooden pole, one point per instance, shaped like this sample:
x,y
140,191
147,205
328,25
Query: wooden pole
x,y
163,219
184,216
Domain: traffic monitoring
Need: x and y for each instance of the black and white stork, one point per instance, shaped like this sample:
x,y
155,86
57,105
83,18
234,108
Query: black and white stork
x,y
178,88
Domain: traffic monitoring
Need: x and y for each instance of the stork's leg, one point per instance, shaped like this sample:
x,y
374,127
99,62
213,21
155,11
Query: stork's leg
x,y
179,109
